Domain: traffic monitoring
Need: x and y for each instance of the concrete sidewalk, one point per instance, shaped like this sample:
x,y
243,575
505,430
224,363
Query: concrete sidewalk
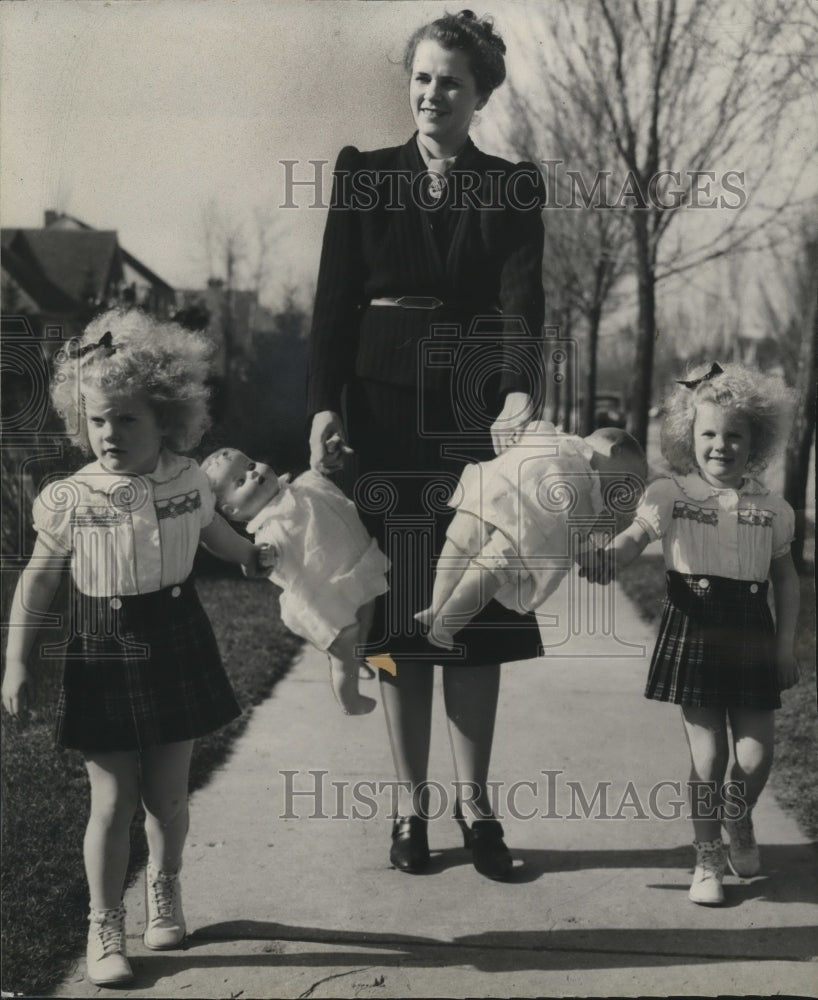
x,y
309,907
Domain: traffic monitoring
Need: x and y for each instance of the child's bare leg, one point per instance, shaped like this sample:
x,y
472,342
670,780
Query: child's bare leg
x,y
165,771
753,733
114,779
344,665
706,731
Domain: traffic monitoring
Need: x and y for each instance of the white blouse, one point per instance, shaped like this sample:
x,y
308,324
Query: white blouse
x,y
722,532
127,534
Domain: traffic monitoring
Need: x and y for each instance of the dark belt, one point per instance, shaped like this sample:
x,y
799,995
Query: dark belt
x,y
430,302
147,604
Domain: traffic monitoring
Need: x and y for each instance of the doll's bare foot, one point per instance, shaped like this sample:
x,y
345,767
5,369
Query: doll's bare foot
x,y
344,679
355,704
435,632
425,618
440,636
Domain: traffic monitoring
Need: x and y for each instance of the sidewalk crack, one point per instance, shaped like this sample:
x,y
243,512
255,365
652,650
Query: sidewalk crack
x,y
336,975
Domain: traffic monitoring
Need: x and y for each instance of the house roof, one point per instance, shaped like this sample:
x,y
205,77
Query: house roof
x,y
27,273
79,264
151,277
63,221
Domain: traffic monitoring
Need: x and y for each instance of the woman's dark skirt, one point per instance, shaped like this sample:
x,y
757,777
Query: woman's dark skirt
x,y
141,671
410,449
716,645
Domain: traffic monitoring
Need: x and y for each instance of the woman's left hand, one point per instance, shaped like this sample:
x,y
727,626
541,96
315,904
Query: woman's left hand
x,y
517,411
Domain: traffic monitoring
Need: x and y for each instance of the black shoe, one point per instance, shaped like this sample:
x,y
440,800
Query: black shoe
x,y
464,826
410,845
490,855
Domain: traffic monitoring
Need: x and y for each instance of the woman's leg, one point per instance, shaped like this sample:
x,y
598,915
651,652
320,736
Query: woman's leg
x,y
114,779
164,786
407,704
471,708
706,731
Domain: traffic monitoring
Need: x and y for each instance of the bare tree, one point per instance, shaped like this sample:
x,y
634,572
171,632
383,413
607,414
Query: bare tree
x,y
584,246
796,325
676,94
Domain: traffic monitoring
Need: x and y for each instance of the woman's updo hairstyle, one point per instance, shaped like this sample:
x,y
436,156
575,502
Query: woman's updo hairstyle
x,y
473,35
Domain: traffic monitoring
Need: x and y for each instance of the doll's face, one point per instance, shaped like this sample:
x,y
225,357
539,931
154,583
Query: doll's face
x,y
242,487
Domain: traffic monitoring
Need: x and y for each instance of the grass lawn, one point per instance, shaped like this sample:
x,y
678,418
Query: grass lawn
x,y
796,749
45,795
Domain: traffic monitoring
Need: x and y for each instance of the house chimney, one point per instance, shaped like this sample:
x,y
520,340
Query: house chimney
x,y
50,217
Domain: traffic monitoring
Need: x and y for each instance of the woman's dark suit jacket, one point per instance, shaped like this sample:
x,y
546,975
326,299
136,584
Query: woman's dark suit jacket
x,y
406,376
483,255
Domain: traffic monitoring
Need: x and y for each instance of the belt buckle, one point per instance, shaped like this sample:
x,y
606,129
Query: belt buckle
x,y
418,302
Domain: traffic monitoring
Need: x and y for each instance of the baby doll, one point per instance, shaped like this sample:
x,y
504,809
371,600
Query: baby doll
x,y
512,536
318,552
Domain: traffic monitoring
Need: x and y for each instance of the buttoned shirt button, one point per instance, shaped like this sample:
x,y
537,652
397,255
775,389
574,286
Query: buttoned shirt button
x,y
116,603
753,588
704,583
176,591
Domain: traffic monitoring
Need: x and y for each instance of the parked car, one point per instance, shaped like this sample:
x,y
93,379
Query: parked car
x,y
609,410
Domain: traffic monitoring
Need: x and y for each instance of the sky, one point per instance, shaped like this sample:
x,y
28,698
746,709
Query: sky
x,y
136,115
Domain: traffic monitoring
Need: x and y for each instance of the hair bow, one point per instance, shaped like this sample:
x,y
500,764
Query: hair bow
x,y
715,369
106,341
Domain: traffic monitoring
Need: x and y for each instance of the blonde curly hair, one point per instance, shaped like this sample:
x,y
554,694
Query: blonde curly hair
x,y
763,399
128,351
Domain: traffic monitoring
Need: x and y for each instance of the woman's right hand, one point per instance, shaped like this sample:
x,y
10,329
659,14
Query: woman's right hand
x,y
328,443
15,688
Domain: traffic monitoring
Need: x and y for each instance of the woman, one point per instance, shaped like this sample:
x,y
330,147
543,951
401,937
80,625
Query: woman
x,y
428,314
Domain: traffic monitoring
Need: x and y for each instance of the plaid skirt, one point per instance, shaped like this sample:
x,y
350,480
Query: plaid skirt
x,y
409,456
716,645
141,671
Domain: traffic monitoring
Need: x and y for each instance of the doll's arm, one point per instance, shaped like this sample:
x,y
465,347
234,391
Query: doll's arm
x,y
602,565
33,597
328,446
787,594
223,542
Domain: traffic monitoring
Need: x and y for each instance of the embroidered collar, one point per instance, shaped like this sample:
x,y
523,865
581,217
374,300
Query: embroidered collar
x,y
696,488
98,479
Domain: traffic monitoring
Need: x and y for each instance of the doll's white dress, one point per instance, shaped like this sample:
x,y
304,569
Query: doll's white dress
x,y
543,496
328,565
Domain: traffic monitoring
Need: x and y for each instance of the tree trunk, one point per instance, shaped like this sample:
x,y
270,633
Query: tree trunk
x,y
640,391
802,432
588,402
568,401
